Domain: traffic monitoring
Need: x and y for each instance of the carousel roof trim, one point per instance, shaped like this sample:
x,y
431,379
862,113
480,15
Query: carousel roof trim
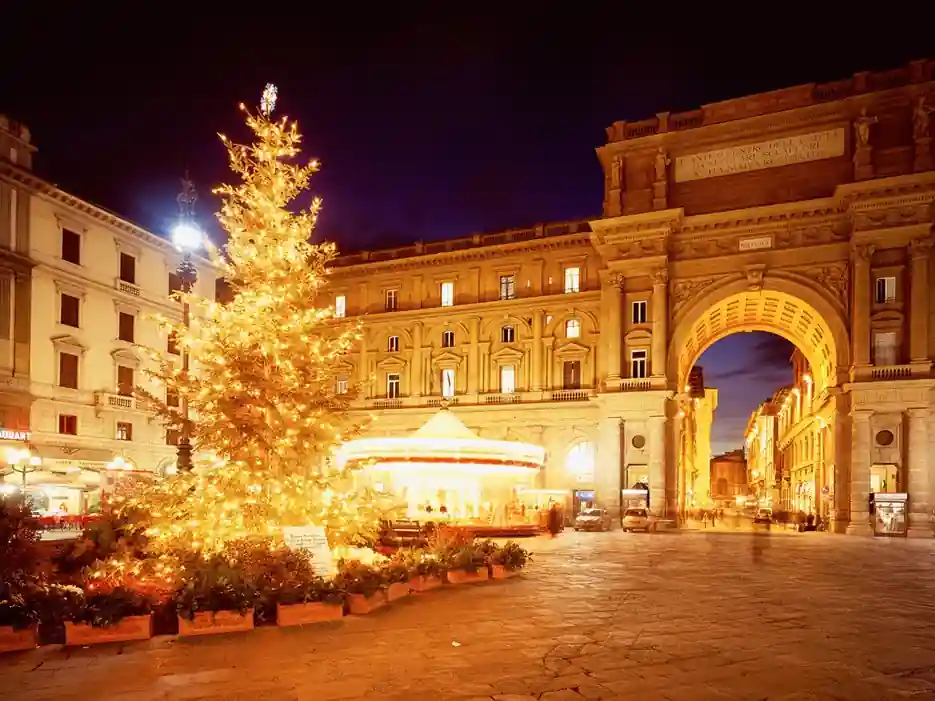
x,y
444,424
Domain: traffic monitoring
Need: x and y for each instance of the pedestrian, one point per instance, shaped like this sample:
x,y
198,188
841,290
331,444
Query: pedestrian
x,y
704,518
555,520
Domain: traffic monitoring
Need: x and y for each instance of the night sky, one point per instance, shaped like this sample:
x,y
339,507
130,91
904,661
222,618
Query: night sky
x,y
428,126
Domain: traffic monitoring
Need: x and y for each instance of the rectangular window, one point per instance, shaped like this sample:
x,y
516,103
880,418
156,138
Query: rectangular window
x,y
175,283
885,350
125,382
507,287
448,294
124,431
68,370
340,306
128,268
507,379
639,312
69,310
71,246
68,424
572,280
392,344
885,290
448,383
125,327
173,436
638,364
392,385
573,328
172,344
172,398
391,300
340,385
448,339
571,374
507,334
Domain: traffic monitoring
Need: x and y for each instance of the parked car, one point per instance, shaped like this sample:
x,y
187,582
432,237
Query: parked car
x,y
638,519
592,520
763,516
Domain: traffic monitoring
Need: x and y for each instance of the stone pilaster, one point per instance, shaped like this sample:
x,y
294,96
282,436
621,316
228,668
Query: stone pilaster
x,y
416,382
860,318
474,369
860,473
608,465
920,481
919,251
537,381
612,298
363,369
660,322
657,465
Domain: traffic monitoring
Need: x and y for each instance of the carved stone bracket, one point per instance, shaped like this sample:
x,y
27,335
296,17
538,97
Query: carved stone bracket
x,y
863,252
755,275
616,280
920,248
834,277
660,276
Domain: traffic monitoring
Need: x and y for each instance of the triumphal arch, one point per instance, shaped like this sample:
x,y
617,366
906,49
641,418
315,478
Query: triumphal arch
x,y
806,212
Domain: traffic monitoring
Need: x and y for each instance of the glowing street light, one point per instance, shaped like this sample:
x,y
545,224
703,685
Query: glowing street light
x,y
188,238
22,461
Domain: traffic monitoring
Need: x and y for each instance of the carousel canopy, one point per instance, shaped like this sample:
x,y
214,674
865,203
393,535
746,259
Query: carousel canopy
x,y
444,440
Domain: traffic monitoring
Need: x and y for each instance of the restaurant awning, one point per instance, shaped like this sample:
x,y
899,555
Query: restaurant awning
x,y
81,457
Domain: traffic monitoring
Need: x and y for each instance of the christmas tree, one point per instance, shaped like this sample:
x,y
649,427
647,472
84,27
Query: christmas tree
x,y
262,390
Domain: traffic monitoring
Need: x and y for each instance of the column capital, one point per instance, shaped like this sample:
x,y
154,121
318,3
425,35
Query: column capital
x,y
862,252
918,413
613,280
920,249
660,276
861,415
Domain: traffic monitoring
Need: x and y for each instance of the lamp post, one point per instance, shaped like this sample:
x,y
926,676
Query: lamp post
x,y
187,237
22,462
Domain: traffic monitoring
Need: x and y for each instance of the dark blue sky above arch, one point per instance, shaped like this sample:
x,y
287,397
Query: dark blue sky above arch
x,y
429,125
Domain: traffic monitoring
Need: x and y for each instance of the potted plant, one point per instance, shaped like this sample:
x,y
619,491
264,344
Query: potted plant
x,y
310,601
18,620
428,572
396,574
116,615
215,598
363,584
20,575
507,561
466,565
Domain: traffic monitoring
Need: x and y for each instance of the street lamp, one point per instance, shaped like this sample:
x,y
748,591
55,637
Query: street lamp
x,y
22,462
187,237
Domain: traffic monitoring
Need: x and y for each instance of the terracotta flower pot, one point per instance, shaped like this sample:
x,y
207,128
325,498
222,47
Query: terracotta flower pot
x,y
359,604
420,584
397,590
501,572
302,614
129,628
12,640
215,622
466,577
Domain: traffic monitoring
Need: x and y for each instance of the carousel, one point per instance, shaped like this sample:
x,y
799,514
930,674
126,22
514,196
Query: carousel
x,y
446,473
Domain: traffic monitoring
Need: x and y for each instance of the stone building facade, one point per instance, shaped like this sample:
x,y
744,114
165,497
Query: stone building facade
x,y
778,212
84,297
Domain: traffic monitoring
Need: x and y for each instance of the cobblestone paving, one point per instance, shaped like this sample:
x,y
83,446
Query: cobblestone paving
x,y
692,616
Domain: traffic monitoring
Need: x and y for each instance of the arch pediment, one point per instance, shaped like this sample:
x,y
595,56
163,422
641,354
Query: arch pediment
x,y
392,363
638,337
125,356
889,317
69,342
572,351
507,355
446,360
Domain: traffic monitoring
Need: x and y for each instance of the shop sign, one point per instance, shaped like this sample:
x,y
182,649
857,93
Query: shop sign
x,y
8,434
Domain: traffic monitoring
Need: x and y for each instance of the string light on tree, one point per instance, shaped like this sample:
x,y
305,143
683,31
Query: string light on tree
x,y
262,389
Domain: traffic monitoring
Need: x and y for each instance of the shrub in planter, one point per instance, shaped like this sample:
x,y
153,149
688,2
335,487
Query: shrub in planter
x,y
114,615
215,598
18,620
20,558
309,602
364,585
112,537
507,560
466,564
425,570
397,572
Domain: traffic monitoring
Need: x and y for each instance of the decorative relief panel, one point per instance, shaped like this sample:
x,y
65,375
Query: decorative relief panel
x,y
834,277
683,291
709,244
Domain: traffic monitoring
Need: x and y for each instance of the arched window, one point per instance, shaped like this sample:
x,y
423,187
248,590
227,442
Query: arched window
x,y
507,334
448,339
573,328
580,461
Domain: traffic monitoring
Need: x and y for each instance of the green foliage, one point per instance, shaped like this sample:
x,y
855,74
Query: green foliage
x,y
111,537
354,577
214,584
510,555
19,544
105,608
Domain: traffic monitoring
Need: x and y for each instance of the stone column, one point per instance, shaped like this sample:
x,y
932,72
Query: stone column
x,y
363,369
860,473
416,383
474,371
919,250
660,319
536,380
860,320
612,296
607,479
658,492
920,483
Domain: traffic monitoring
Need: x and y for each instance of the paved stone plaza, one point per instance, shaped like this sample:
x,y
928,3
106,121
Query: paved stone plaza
x,y
689,616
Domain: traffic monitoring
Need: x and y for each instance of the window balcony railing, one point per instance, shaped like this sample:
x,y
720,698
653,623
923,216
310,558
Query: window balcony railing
x,y
119,402
571,395
903,371
128,288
